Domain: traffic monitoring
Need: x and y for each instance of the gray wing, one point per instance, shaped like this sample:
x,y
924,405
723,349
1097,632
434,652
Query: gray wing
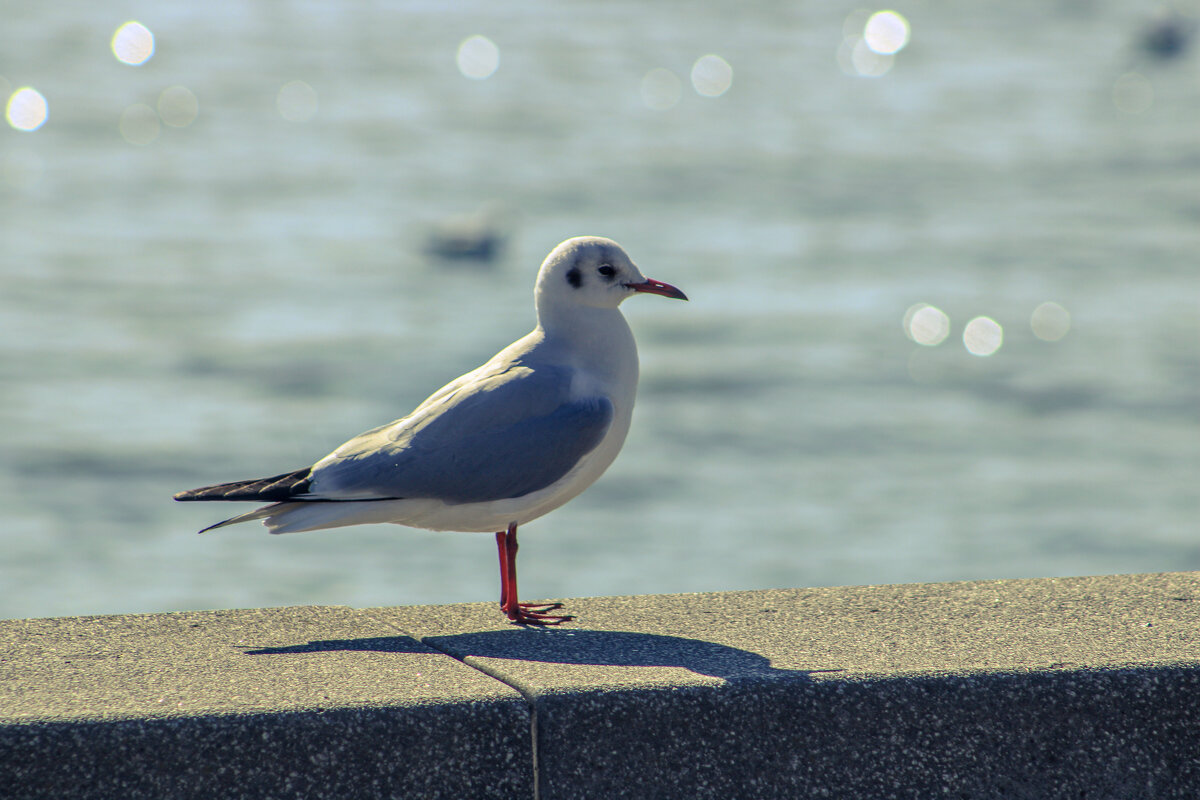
x,y
484,437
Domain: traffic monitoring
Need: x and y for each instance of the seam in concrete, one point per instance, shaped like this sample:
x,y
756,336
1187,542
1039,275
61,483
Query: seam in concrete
x,y
517,687
533,712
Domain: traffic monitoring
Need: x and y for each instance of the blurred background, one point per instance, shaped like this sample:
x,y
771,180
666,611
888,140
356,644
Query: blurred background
x,y
942,260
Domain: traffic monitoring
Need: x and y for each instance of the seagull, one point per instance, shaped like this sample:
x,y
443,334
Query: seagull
x,y
498,447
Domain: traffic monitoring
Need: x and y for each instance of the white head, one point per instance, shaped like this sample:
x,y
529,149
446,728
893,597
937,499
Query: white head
x,y
595,272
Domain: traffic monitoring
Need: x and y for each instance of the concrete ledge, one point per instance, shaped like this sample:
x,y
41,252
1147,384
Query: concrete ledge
x,y
1078,687
286,702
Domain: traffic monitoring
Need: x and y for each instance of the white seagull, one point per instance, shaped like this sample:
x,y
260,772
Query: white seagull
x,y
498,447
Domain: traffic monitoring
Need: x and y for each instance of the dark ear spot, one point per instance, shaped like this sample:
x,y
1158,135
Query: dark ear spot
x,y
575,277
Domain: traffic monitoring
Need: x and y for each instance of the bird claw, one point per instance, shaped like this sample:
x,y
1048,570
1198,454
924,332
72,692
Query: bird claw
x,y
536,614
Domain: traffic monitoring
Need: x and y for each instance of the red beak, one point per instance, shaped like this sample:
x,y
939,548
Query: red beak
x,y
657,287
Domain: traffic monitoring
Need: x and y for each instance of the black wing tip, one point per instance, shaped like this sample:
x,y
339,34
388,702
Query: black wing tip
x,y
273,489
203,493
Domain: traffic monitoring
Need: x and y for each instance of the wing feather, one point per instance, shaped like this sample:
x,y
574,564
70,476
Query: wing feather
x,y
485,437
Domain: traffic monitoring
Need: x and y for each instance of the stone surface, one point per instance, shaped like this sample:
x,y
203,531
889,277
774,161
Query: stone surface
x,y
1056,688
1073,687
308,702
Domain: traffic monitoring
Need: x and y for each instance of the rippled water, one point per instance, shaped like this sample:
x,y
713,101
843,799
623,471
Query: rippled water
x,y
214,268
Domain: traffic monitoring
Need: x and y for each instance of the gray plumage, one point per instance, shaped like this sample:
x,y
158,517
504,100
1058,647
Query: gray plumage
x,y
504,436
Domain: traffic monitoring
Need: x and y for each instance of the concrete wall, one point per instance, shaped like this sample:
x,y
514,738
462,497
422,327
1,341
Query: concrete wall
x,y
1074,687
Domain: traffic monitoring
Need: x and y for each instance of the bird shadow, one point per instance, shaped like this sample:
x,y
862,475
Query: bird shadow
x,y
574,647
375,644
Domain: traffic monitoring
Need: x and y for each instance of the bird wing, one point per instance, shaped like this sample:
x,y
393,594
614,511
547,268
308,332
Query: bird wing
x,y
499,432
276,488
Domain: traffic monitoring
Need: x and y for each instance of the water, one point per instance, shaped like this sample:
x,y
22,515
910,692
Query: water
x,y
239,295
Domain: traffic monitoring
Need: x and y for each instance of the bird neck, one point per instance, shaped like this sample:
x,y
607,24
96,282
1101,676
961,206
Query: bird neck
x,y
599,338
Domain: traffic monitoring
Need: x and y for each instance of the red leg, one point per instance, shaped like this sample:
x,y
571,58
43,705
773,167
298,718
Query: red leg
x,y
502,550
518,612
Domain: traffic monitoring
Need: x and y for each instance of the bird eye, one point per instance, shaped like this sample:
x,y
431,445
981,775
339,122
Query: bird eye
x,y
607,270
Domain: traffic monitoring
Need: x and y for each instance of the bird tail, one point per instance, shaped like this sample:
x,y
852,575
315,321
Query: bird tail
x,y
313,515
292,508
259,513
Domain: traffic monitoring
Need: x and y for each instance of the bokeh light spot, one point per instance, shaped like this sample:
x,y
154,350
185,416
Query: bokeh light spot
x,y
926,325
177,106
1050,322
858,60
1132,93
886,33
983,336
478,57
296,101
26,109
661,89
139,124
133,44
712,76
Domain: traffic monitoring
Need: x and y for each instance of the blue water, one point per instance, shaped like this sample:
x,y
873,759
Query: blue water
x,y
236,296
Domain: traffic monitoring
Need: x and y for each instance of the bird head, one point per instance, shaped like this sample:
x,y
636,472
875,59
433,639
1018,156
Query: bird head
x,y
595,272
